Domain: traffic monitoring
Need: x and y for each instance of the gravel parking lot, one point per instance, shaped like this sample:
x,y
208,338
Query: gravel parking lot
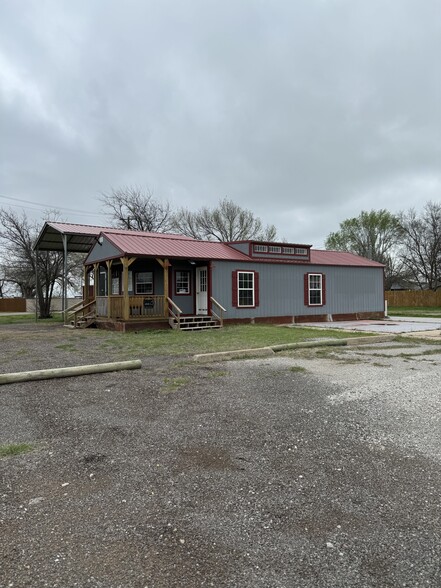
x,y
313,469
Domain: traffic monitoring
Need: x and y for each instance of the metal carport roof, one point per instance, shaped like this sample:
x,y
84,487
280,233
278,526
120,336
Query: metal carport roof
x,y
79,238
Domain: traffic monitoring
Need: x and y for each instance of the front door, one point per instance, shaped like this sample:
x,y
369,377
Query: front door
x,y
201,291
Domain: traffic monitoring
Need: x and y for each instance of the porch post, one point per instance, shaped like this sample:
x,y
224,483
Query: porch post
x,y
126,263
86,285
109,286
165,264
95,283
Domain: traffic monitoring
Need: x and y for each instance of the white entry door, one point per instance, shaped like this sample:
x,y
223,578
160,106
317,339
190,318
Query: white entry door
x,y
201,291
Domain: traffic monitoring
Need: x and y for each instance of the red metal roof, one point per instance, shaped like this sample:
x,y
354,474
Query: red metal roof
x,y
71,228
319,257
164,245
158,245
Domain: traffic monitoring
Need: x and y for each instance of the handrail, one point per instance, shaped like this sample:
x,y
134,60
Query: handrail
x,y
174,315
69,310
219,316
218,304
92,302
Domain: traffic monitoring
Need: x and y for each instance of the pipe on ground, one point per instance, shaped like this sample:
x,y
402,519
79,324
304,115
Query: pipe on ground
x,y
79,370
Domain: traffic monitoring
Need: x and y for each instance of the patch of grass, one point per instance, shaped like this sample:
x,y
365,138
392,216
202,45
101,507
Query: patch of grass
x,y
230,338
297,369
418,311
172,384
13,319
66,347
14,449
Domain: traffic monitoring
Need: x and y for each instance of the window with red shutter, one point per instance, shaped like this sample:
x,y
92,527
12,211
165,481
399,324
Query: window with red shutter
x,y
314,289
245,289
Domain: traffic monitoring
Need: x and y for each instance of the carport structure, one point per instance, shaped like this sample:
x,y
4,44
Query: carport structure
x,y
68,238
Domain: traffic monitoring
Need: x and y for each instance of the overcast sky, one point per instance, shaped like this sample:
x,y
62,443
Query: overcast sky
x,y
304,111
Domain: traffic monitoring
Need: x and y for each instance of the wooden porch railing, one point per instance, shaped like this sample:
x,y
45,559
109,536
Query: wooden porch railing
x,y
220,314
174,314
147,306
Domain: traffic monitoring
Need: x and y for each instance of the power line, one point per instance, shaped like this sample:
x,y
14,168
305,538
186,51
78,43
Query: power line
x,y
41,206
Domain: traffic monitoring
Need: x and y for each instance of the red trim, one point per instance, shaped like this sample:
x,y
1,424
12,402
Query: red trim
x,y
189,293
209,286
256,288
235,288
306,289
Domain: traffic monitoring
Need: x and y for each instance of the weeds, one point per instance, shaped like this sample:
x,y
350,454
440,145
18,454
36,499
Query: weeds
x,y
173,384
14,449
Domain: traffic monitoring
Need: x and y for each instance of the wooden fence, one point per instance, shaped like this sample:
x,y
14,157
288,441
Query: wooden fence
x,y
413,298
12,305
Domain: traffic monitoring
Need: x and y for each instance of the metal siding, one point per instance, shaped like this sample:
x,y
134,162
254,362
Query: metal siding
x,y
102,252
242,247
348,289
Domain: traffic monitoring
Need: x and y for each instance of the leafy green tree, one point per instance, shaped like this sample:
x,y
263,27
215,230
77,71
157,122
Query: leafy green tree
x,y
375,235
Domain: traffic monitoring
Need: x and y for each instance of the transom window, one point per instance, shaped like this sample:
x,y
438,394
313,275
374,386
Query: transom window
x,y
301,251
261,248
144,283
315,289
245,288
182,282
289,250
275,249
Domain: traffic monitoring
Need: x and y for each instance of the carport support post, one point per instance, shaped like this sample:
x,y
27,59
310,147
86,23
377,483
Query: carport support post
x,y
36,285
64,303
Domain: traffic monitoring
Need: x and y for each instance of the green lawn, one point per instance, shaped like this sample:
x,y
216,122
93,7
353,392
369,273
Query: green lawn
x,y
11,319
421,311
168,342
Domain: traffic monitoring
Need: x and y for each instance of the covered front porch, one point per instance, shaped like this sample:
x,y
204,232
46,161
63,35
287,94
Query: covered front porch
x,y
131,292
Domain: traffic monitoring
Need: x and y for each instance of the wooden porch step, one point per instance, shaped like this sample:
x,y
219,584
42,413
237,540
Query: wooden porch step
x,y
199,327
195,323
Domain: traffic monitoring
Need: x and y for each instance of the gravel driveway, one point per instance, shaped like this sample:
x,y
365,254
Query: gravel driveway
x,y
312,469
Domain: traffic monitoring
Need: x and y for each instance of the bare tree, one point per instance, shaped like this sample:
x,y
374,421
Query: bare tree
x,y
421,251
17,236
135,208
227,222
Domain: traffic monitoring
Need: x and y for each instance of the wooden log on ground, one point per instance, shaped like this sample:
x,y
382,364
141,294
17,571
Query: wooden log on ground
x,y
79,370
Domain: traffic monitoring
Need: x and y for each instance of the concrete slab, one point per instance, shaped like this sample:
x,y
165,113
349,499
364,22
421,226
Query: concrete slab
x,y
396,326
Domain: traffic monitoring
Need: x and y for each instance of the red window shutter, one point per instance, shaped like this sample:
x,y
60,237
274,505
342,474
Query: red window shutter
x,y
234,288
323,289
306,289
256,288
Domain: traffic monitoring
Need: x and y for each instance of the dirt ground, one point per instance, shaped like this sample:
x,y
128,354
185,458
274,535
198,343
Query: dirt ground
x,y
312,469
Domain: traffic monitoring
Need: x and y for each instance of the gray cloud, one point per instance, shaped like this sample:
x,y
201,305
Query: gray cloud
x,y
305,113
